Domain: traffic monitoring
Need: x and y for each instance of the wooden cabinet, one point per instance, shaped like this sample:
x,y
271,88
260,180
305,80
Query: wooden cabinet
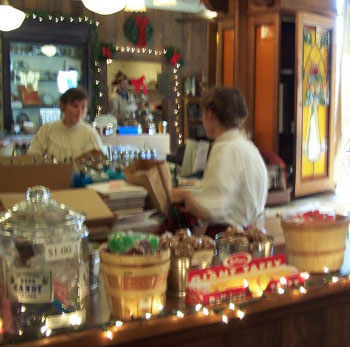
x,y
192,118
290,89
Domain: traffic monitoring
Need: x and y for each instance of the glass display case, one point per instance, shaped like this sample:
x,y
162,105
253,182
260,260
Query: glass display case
x,y
38,66
40,73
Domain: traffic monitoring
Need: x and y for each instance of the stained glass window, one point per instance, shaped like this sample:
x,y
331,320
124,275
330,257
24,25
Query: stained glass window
x,y
315,102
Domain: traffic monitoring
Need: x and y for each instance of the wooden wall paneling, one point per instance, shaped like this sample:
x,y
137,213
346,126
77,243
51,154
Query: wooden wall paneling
x,y
157,19
116,31
65,6
107,29
41,5
326,183
17,4
29,4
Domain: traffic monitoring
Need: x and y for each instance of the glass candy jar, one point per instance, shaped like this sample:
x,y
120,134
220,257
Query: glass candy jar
x,y
44,266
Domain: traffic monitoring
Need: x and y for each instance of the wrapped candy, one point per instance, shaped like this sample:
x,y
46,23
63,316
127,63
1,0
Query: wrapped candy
x,y
133,243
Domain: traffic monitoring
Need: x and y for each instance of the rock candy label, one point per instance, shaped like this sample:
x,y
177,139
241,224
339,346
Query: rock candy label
x,y
29,286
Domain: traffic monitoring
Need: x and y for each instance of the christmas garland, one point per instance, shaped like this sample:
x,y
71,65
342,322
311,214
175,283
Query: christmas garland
x,y
138,29
106,51
174,57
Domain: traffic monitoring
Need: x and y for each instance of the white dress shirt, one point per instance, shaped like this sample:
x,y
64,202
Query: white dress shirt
x,y
234,186
64,142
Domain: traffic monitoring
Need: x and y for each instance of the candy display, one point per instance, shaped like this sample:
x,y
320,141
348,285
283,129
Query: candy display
x,y
133,243
44,265
315,240
230,281
184,244
314,216
254,241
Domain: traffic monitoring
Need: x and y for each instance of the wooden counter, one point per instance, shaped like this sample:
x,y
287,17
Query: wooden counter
x,y
318,318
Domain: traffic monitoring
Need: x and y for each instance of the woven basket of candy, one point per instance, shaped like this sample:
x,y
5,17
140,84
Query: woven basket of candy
x,y
135,268
315,241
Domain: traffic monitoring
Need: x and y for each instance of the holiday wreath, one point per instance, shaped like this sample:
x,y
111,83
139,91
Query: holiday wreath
x,y
138,29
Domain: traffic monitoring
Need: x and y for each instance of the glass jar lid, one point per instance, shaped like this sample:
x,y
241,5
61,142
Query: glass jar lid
x,y
39,212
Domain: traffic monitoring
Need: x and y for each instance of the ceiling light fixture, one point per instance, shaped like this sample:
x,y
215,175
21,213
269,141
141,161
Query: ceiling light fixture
x,y
48,50
104,6
209,14
135,6
164,2
10,17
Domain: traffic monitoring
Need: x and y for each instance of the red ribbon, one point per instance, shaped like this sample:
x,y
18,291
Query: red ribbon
x,y
141,22
175,58
106,52
138,83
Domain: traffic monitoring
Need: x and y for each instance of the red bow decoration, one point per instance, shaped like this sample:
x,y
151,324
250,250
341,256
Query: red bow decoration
x,y
141,22
175,58
106,52
138,83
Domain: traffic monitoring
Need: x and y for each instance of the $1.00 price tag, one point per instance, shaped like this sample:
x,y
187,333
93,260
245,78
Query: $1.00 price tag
x,y
60,251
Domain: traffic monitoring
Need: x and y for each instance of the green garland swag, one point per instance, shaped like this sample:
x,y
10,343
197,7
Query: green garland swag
x,y
174,56
138,29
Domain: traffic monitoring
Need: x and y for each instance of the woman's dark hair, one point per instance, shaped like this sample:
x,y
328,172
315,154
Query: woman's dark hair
x,y
120,76
227,104
73,94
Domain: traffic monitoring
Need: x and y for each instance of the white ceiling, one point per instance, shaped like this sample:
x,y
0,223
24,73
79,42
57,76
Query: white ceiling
x,y
192,6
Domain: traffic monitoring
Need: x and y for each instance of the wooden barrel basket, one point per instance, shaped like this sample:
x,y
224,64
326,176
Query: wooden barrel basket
x,y
313,246
134,284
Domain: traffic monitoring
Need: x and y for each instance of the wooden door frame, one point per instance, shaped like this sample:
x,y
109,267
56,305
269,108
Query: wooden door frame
x,y
224,23
322,184
253,21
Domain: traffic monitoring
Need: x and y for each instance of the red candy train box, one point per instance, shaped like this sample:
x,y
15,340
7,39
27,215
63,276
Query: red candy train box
x,y
240,277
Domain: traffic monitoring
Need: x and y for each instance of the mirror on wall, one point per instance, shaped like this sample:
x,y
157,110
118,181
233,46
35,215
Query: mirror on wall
x,y
144,103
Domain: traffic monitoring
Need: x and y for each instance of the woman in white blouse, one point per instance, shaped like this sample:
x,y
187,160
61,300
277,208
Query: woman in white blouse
x,y
234,186
69,137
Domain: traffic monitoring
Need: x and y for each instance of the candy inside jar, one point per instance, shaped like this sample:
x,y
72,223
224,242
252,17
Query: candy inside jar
x,y
44,266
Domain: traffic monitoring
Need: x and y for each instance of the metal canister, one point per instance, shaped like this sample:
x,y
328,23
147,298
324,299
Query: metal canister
x,y
177,278
228,244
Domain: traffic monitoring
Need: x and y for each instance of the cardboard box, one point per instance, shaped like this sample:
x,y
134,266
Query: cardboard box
x,y
83,200
18,177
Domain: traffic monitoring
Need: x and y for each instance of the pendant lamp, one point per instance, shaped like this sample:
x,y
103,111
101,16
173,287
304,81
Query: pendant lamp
x,y
164,2
135,6
10,17
104,6
48,50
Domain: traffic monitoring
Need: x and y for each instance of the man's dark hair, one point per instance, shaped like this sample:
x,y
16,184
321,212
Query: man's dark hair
x,y
73,94
227,104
